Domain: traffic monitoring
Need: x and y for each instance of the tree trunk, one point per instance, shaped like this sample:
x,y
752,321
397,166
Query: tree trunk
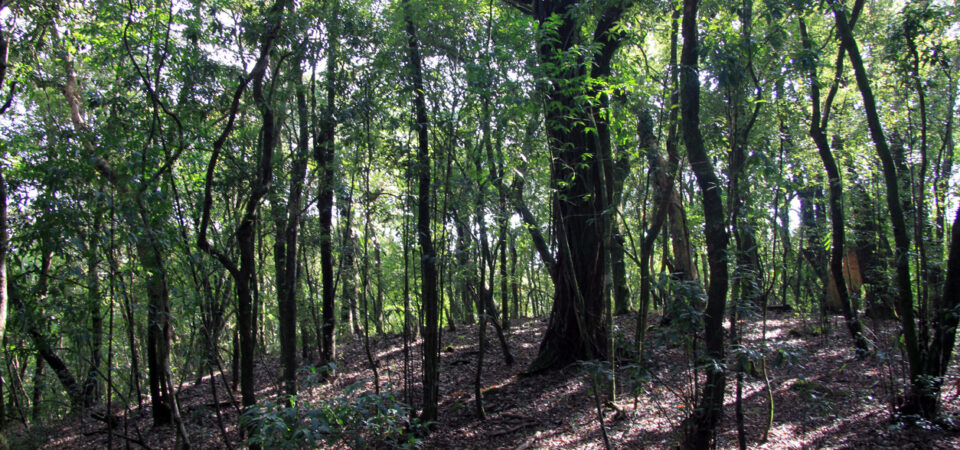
x,y
323,153
700,425
817,132
900,237
428,269
287,296
347,275
663,173
91,386
465,279
4,234
244,273
578,328
925,393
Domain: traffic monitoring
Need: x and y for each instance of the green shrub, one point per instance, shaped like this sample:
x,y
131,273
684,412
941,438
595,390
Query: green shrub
x,y
358,420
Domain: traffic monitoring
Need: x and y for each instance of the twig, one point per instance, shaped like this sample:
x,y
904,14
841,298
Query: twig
x,y
128,438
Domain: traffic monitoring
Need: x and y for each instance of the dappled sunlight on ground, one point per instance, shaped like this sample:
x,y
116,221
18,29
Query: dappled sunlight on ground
x,y
823,395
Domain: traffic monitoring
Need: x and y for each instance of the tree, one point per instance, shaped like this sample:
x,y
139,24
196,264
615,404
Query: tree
x,y
4,235
578,138
243,273
927,358
323,153
818,125
428,268
700,425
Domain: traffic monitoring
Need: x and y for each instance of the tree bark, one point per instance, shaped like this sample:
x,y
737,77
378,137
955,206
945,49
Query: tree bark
x,y
287,296
819,136
700,425
428,269
91,384
578,328
323,153
244,272
900,237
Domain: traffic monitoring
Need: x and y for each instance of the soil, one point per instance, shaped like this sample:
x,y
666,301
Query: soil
x,y
823,396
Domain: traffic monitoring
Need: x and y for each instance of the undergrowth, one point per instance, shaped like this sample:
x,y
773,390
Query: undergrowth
x,y
357,418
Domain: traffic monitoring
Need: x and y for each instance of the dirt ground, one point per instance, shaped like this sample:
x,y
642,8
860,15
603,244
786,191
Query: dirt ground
x,y
823,396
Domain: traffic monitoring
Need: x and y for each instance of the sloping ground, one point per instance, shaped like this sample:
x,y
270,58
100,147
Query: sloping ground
x,y
823,397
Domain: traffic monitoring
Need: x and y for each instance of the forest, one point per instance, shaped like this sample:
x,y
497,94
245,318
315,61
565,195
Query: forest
x,y
502,224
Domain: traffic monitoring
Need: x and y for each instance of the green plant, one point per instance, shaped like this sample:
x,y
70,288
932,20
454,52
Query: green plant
x,y
359,420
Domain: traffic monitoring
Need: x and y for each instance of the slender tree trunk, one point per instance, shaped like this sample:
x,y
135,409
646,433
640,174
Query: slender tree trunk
x,y
378,304
287,300
514,277
4,234
91,386
428,269
133,344
244,273
37,397
900,237
701,424
4,241
347,275
663,174
817,132
324,149
465,280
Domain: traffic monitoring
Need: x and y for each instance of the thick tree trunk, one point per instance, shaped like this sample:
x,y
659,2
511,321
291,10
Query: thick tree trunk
x,y
578,328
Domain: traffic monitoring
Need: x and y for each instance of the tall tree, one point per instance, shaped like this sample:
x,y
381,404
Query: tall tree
x,y
287,239
323,153
818,126
4,234
700,425
578,138
428,268
927,358
244,272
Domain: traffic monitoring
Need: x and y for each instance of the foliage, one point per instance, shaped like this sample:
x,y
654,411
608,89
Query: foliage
x,y
357,418
99,178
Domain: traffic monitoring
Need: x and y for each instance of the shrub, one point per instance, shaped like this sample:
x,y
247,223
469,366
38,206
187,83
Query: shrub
x,y
358,420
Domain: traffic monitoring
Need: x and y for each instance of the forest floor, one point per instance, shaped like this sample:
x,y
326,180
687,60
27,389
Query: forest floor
x,y
824,396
